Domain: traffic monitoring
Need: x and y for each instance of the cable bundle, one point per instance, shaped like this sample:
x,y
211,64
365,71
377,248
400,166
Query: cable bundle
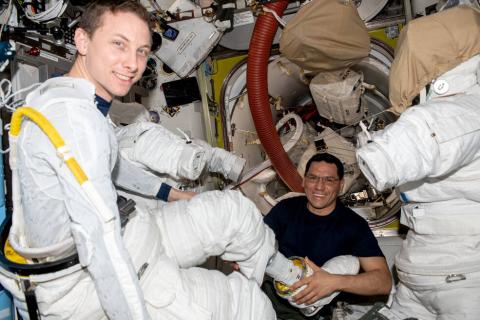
x,y
53,12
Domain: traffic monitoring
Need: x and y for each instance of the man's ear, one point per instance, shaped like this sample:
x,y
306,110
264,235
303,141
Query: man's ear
x,y
81,41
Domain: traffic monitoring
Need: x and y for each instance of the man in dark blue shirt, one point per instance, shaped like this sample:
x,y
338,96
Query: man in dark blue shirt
x,y
319,227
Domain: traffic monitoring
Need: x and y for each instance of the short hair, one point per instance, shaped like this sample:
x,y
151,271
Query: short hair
x,y
92,17
328,158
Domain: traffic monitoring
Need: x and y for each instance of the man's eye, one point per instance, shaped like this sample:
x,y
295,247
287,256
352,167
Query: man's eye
x,y
118,44
144,52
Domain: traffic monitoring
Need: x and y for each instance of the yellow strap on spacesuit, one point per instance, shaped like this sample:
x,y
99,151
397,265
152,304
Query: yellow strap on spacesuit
x,y
59,144
52,134
12,255
104,212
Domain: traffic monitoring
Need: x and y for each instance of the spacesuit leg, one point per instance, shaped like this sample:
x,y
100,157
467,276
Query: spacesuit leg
x,y
231,297
217,223
249,301
172,292
458,302
406,304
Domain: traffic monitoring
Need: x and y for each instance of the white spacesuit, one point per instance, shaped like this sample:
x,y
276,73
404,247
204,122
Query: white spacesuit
x,y
431,154
143,269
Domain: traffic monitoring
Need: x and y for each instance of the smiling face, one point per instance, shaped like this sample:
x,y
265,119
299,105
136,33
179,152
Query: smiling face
x,y
115,56
322,186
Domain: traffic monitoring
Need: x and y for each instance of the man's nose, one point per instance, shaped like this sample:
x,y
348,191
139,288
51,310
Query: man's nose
x,y
131,61
320,184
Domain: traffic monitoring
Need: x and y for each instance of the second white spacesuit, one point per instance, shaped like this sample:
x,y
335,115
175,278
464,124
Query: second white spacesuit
x,y
431,154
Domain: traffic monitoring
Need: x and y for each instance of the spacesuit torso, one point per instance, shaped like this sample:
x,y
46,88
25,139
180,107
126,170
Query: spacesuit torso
x,y
432,154
446,202
57,218
48,189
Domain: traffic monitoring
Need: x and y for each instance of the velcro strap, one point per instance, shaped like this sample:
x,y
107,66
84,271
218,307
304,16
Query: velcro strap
x,y
30,298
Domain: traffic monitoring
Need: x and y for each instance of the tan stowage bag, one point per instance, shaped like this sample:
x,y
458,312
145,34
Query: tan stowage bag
x,y
337,96
325,35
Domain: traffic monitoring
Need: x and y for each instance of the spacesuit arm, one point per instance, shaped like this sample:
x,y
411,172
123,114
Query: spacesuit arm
x,y
95,225
130,176
221,161
402,152
152,146
425,142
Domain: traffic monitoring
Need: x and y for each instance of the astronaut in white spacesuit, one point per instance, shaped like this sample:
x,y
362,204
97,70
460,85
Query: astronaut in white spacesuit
x,y
431,155
143,266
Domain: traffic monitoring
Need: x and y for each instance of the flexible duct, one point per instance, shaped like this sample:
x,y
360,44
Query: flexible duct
x,y
257,90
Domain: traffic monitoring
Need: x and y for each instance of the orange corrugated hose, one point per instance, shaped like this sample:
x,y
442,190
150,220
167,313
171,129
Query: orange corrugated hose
x,y
257,89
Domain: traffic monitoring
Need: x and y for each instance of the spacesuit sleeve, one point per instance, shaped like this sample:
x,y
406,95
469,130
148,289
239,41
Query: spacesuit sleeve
x,y
130,176
96,229
404,151
427,141
222,161
154,147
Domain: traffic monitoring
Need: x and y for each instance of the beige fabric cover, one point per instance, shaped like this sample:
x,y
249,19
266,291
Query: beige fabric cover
x,y
428,47
337,96
325,35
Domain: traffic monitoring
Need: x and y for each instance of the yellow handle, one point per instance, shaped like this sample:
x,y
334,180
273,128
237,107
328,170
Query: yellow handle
x,y
51,133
